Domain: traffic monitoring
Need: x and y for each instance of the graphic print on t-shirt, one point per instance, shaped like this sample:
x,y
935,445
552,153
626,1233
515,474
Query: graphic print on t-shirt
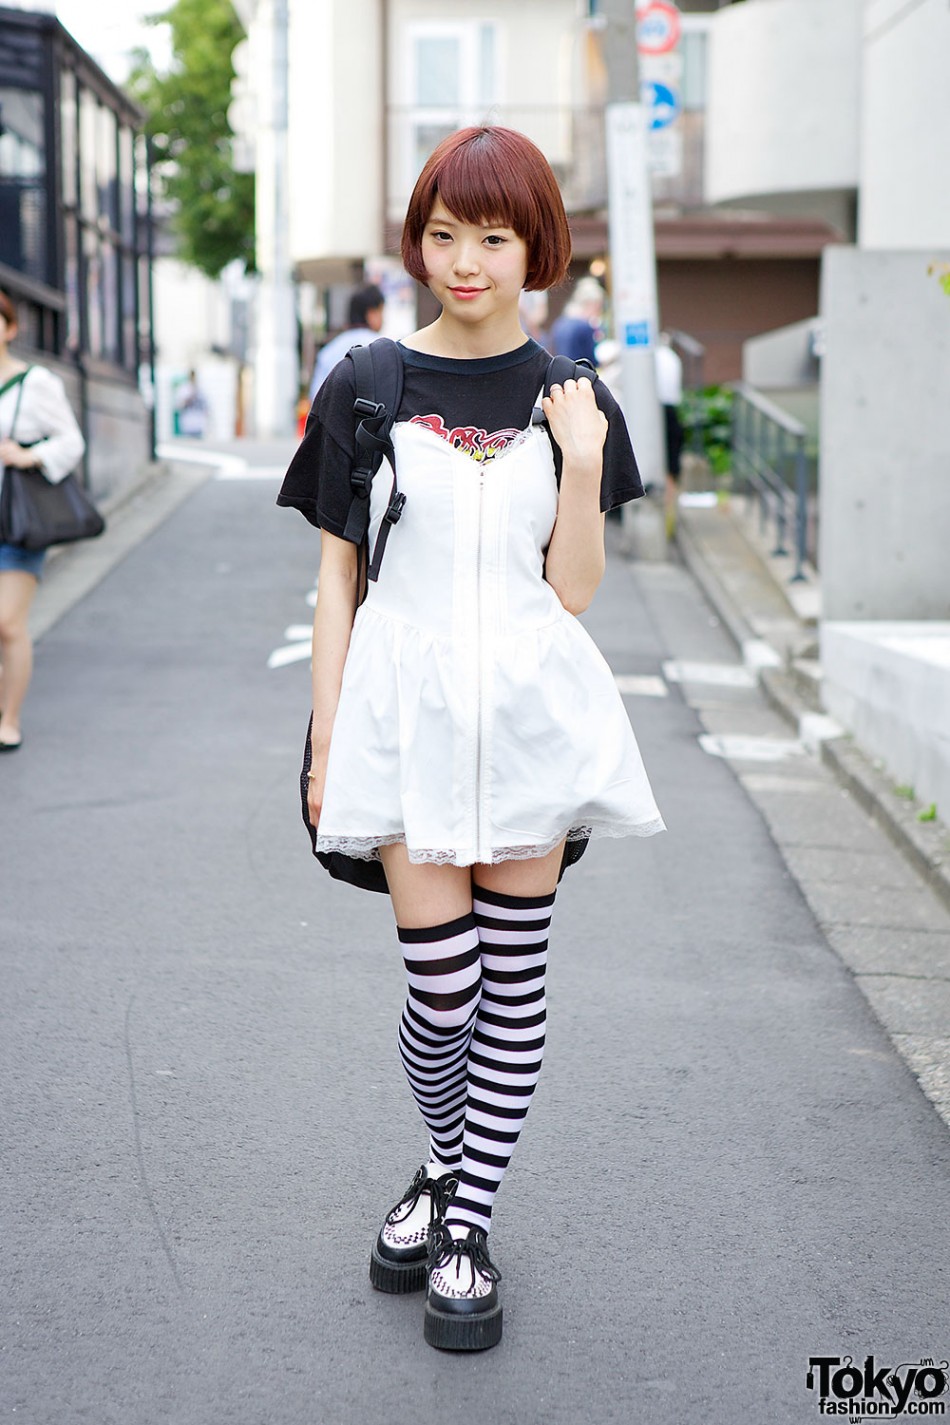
x,y
475,441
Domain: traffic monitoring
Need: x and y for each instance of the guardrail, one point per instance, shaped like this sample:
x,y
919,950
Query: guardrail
x,y
769,455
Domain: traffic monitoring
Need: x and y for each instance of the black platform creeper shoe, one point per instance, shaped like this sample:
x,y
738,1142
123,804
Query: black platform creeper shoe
x,y
463,1312
398,1260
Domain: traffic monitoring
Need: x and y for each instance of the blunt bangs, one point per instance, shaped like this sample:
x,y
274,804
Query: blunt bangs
x,y
493,175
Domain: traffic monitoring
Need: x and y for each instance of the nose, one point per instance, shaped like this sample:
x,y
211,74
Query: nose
x,y
466,258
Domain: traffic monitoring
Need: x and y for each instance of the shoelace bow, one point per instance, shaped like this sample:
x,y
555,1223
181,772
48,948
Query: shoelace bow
x,y
475,1251
439,1190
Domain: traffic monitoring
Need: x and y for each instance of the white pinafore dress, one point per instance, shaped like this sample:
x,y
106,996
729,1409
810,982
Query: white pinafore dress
x,y
477,721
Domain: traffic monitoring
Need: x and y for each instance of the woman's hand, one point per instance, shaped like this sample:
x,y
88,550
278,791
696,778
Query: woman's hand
x,y
577,423
19,456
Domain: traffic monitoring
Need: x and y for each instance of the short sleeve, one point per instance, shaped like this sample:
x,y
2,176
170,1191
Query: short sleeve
x,y
621,480
317,482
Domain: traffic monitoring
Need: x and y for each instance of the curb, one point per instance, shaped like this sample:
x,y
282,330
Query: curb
x,y
925,845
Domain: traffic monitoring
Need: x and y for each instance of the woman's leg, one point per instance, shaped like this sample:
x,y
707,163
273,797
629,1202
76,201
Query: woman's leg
x,y
17,589
512,907
439,939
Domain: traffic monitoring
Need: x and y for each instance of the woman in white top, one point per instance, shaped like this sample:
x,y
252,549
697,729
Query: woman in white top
x,y
38,431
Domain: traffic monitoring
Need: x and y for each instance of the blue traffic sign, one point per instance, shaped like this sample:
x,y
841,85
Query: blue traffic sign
x,y
662,102
637,334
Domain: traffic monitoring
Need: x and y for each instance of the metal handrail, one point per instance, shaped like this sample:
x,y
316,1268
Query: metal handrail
x,y
765,441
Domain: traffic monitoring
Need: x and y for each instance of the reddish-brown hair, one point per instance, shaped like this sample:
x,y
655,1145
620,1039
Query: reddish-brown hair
x,y
8,310
493,175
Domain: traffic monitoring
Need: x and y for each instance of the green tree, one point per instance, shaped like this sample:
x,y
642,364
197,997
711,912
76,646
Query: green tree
x,y
212,206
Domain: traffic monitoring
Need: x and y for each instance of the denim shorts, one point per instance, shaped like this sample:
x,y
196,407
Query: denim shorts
x,y
26,560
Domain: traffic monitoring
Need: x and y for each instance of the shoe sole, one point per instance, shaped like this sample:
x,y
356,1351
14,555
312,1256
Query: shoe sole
x,y
448,1332
396,1278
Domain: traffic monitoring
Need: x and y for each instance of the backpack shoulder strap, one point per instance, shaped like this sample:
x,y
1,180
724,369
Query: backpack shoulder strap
x,y
378,377
561,369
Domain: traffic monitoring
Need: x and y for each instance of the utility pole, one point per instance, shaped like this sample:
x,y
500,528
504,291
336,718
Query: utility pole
x,y
275,345
633,261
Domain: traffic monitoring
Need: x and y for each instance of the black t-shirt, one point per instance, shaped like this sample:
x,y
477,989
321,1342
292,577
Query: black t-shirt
x,y
480,406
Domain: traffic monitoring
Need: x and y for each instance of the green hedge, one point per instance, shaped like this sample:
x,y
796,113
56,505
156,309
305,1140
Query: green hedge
x,y
710,409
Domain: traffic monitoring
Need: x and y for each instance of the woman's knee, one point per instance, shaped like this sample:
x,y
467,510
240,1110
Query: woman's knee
x,y
425,894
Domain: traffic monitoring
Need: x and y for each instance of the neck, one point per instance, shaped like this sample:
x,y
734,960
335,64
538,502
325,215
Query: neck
x,y
9,364
462,341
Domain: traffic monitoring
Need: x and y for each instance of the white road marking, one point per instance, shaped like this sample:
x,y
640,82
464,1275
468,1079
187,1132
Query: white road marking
x,y
295,632
740,747
230,467
291,653
252,472
771,782
641,685
718,675
816,728
756,653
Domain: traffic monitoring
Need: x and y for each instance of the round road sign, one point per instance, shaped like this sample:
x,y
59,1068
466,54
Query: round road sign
x,y
658,27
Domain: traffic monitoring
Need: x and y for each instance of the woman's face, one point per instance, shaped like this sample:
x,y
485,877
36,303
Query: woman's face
x,y
475,271
7,331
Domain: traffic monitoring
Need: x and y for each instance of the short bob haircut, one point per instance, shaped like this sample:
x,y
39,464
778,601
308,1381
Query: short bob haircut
x,y
493,175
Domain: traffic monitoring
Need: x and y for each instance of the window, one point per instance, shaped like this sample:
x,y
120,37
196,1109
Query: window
x,y
23,182
450,80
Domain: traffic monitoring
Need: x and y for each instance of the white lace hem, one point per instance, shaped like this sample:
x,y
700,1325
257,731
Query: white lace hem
x,y
366,848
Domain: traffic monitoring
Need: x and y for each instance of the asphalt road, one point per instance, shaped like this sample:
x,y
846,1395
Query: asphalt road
x,y
727,1168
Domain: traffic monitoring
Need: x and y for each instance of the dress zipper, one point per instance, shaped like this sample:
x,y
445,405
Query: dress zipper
x,y
478,665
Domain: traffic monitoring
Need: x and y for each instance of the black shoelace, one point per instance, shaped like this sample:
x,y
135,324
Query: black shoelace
x,y
440,1191
444,1249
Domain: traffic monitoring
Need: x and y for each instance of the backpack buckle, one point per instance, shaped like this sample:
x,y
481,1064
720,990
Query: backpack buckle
x,y
361,482
369,409
396,506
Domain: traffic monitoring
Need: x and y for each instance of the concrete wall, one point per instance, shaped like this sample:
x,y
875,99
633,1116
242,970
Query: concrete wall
x,y
889,685
885,437
905,125
782,358
782,114
335,129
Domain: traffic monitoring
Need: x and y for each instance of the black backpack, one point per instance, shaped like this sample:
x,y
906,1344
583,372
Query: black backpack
x,y
378,373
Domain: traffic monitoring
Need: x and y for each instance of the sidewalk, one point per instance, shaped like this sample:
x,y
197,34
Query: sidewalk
x,y
720,551
898,946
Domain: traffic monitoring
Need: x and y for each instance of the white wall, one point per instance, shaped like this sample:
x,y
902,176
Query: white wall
x,y
539,53
192,314
885,436
905,125
335,129
782,115
781,358
889,685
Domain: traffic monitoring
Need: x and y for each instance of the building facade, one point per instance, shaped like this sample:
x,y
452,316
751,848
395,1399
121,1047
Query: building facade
x,y
375,84
75,236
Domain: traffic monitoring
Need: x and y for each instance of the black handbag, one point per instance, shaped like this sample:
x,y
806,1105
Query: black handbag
x,y
36,512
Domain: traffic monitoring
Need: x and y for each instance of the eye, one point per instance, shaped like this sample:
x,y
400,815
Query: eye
x,y
496,240
439,235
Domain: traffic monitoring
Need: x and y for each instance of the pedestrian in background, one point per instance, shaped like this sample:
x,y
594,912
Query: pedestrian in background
x,y
669,390
364,324
467,734
579,327
38,431
192,408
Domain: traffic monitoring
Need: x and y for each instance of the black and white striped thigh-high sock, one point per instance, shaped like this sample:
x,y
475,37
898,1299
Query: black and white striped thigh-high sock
x,y
443,966
504,1059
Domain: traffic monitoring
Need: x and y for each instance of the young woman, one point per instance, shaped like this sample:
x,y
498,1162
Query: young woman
x,y
37,431
466,731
